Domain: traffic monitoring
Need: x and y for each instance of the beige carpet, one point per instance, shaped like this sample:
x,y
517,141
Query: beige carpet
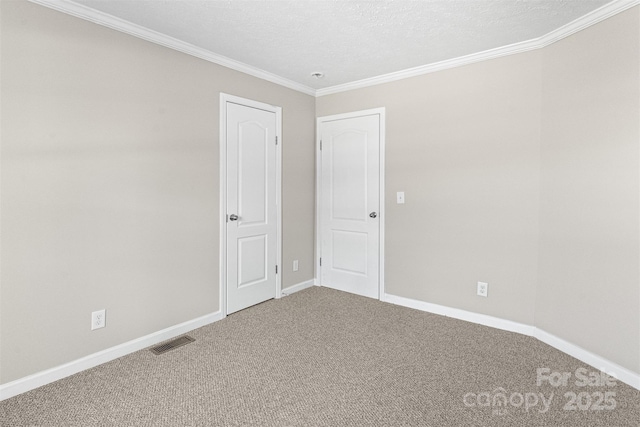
x,y
326,358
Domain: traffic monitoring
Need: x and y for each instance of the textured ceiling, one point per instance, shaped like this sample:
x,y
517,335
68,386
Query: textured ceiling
x,y
346,40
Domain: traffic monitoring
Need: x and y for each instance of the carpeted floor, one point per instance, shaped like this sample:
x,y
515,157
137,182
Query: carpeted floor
x,y
326,358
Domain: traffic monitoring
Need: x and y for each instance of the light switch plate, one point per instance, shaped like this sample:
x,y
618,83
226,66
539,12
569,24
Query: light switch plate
x,y
400,196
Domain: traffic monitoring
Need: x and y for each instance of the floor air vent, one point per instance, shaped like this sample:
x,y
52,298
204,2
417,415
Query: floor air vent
x,y
178,342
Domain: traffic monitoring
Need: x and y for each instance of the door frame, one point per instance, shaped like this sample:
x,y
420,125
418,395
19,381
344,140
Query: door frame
x,y
374,111
224,99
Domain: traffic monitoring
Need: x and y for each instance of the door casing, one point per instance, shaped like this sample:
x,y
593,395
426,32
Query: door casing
x,y
382,214
224,99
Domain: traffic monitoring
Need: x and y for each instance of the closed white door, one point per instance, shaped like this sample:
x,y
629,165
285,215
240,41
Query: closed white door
x,y
251,218
350,204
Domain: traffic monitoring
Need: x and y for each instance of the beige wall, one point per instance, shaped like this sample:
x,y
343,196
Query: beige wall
x,y
523,172
589,277
109,186
463,145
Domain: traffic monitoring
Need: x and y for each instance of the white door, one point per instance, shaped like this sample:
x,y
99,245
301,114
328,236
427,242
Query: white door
x,y
251,206
350,218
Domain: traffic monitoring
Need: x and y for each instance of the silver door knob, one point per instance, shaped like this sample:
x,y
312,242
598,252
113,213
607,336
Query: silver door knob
x,y
373,215
233,217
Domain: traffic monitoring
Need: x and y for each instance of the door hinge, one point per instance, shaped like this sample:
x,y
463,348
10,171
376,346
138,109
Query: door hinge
x,y
276,269
320,145
276,140
320,261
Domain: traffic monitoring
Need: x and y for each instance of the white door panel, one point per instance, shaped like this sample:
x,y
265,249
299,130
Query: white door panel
x,y
349,251
350,205
253,139
251,206
253,258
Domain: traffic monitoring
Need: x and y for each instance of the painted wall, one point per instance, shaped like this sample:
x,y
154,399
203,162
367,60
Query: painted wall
x,y
522,172
589,276
463,145
109,186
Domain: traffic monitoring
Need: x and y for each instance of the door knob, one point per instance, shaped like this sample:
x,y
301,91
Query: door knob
x,y
233,217
373,215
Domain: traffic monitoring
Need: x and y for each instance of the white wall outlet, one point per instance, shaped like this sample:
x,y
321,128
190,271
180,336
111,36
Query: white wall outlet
x,y
98,319
400,197
483,289
295,265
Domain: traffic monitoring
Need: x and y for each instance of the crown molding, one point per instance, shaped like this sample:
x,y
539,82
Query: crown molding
x,y
110,21
573,27
86,13
433,67
591,18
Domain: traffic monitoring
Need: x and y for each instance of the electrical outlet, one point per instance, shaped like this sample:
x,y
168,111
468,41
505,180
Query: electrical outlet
x,y
295,265
98,319
483,289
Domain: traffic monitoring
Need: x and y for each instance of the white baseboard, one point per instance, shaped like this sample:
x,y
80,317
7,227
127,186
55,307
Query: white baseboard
x,y
298,287
623,374
469,316
50,375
